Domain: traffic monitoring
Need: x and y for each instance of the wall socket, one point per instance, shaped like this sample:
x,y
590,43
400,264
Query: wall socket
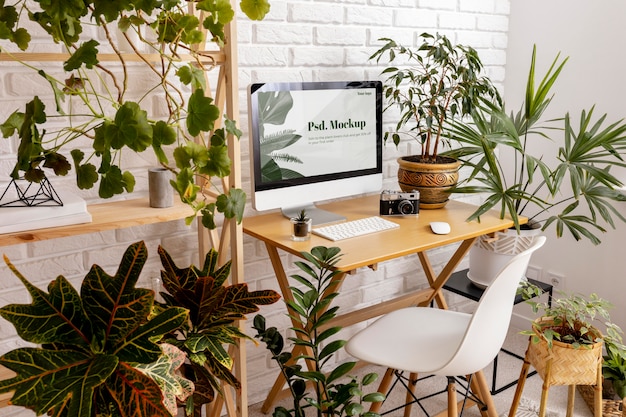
x,y
556,280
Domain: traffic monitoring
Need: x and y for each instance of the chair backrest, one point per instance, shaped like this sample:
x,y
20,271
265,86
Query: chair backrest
x,y
489,324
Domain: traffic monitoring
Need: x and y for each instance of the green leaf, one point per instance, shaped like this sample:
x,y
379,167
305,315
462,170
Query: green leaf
x,y
191,75
232,204
162,135
202,114
46,378
218,163
131,128
111,182
54,317
255,9
86,54
12,124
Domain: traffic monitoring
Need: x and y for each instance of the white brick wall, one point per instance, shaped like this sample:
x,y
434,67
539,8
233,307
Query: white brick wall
x,y
299,40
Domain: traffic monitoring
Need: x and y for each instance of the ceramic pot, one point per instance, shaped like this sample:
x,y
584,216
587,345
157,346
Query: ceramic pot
x,y
433,180
489,255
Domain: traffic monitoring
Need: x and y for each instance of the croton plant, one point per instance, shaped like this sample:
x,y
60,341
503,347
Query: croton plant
x,y
109,350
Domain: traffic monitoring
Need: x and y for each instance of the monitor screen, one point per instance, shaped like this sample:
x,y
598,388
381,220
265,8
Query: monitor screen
x,y
314,141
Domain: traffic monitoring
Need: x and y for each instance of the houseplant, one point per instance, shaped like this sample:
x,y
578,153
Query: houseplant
x,y
98,353
301,226
93,113
570,189
311,310
565,345
434,83
214,309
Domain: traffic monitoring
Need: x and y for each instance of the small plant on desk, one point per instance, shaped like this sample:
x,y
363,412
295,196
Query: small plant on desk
x,y
310,310
301,226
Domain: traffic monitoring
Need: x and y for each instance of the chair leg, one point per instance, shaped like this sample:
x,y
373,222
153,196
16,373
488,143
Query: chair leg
x,y
484,394
410,393
383,387
452,405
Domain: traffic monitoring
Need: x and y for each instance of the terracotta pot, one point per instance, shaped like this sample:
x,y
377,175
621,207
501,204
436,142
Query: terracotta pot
x,y
432,180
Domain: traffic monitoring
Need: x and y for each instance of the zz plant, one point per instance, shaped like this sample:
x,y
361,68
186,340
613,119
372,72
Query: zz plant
x,y
99,353
214,309
311,310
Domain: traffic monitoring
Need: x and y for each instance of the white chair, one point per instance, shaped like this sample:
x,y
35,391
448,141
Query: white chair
x,y
433,341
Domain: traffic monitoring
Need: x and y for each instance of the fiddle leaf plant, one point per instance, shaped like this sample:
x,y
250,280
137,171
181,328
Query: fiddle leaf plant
x,y
335,392
94,111
94,346
214,310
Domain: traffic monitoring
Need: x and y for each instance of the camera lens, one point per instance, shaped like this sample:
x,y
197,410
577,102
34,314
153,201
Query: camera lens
x,y
405,207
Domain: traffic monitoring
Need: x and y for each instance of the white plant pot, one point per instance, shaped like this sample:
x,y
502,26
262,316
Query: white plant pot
x,y
488,256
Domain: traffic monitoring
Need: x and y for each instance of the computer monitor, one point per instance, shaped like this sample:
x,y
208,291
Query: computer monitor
x,y
314,141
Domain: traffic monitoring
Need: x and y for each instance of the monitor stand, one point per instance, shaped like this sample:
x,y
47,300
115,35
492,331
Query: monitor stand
x,y
318,215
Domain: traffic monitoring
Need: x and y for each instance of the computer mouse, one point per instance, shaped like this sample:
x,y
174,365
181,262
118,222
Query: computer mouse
x,y
440,228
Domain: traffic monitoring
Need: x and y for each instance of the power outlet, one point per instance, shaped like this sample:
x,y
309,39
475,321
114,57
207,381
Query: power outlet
x,y
557,281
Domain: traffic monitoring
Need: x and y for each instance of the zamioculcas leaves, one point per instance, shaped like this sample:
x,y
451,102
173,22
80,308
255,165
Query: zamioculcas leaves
x,y
214,309
90,343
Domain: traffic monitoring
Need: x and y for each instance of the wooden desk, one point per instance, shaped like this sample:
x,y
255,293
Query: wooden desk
x,y
412,237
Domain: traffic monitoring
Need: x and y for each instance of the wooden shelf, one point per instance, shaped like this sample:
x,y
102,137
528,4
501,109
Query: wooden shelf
x,y
105,216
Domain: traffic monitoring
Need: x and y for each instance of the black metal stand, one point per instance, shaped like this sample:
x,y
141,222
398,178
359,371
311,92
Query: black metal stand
x,y
30,194
460,284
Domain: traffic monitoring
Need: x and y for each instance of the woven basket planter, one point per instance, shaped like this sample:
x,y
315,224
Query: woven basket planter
x,y
566,365
610,408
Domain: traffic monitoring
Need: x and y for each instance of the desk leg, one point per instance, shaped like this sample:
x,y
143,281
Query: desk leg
x,y
437,282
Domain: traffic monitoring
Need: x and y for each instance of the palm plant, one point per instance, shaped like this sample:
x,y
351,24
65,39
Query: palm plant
x,y
573,192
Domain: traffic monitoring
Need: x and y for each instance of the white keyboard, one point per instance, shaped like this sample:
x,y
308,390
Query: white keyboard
x,y
354,228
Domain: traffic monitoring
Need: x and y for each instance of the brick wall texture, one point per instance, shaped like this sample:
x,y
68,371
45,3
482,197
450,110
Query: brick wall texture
x,y
299,40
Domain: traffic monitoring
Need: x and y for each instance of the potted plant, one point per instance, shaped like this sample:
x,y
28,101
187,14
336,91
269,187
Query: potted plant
x,y
98,350
311,310
214,309
565,345
571,189
91,114
433,83
301,226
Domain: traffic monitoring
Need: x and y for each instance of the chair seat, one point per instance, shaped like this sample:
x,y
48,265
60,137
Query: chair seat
x,y
397,340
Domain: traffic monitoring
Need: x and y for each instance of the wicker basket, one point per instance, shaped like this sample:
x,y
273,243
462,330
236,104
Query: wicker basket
x,y
570,366
610,408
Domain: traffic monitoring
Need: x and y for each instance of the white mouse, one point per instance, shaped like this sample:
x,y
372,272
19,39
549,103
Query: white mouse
x,y
440,228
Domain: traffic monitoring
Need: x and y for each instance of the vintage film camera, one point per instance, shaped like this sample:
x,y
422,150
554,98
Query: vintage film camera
x,y
398,203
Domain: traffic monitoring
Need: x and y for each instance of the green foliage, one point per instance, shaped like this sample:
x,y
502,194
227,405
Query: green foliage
x,y
214,309
572,319
98,347
436,82
574,191
614,367
312,311
91,95
302,217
